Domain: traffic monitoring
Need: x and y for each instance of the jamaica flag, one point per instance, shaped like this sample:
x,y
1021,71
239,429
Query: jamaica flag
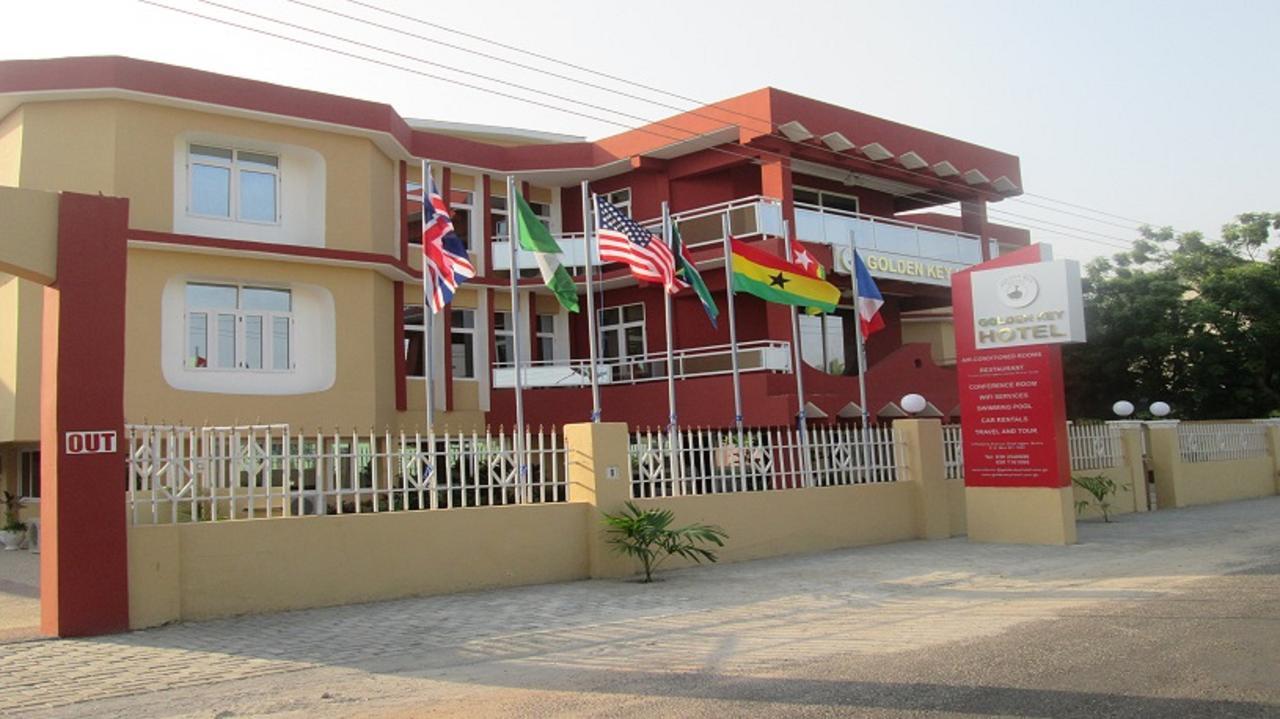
x,y
773,279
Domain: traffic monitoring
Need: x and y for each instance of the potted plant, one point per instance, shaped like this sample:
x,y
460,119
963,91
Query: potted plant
x,y
13,531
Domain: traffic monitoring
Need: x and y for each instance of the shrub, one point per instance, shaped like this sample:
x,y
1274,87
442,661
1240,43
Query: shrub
x,y
1102,489
647,535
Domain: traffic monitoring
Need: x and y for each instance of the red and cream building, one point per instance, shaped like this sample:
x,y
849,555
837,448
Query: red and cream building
x,y
273,274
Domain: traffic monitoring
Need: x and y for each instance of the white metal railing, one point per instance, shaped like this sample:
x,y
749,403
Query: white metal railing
x,y
694,461
952,451
754,356
1093,446
748,216
189,474
1221,441
896,238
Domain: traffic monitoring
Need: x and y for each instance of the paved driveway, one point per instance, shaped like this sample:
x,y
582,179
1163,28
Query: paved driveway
x,y
19,596
1175,613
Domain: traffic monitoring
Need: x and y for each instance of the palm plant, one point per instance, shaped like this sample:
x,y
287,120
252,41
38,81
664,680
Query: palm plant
x,y
647,535
1102,489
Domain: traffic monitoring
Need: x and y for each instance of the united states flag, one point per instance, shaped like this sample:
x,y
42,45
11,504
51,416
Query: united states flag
x,y
445,261
622,239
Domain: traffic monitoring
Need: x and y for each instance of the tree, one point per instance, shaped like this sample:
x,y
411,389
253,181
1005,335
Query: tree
x,y
1177,318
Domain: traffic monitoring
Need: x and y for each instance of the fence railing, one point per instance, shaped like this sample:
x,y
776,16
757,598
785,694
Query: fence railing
x,y
188,474
693,461
952,451
1094,446
1221,441
753,356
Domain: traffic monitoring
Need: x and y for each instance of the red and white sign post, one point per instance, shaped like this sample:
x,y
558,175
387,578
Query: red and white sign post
x,y
1011,313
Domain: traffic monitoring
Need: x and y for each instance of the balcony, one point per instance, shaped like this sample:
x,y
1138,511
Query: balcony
x,y
748,216
891,248
756,356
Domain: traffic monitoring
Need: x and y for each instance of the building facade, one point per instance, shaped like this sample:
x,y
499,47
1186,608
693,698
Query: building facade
x,y
274,265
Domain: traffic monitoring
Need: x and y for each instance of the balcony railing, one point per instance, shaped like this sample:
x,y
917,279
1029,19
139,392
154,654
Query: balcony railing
x,y
755,356
748,216
892,248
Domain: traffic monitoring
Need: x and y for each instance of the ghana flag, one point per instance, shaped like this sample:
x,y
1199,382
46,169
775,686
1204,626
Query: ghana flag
x,y
773,279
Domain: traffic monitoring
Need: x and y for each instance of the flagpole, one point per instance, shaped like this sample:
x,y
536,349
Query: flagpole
x,y
588,230
513,220
428,361
672,420
798,360
733,345
861,353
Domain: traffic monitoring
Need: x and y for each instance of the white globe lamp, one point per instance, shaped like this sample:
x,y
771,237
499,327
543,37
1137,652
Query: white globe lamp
x,y
1160,409
1123,408
913,403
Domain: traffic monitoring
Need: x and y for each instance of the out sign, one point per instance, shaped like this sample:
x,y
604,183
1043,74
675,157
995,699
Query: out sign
x,y
99,442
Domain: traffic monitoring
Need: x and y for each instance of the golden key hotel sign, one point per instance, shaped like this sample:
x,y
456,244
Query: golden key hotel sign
x,y
922,270
1031,304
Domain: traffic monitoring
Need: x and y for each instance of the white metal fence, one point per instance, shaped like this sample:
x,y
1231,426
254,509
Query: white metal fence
x,y
952,451
694,461
1221,441
1094,446
187,474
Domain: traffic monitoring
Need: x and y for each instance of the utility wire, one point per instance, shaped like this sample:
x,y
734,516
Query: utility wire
x,y
689,134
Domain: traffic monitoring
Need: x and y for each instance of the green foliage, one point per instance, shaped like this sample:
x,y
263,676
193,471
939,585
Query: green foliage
x,y
1102,489
12,503
647,535
1181,319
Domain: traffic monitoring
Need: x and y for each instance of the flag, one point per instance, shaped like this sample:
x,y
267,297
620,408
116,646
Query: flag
x,y
803,258
687,273
445,261
773,279
621,239
868,300
536,238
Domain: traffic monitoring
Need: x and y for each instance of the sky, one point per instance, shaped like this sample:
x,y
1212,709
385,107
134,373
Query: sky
x,y
1155,112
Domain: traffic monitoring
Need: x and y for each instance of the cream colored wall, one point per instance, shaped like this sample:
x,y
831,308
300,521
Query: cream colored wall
x,y
126,149
21,317
1124,501
955,507
218,569
770,524
939,334
1020,515
363,393
29,234
1226,481
11,148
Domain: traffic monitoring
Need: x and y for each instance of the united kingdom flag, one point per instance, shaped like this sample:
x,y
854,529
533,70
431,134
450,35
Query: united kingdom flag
x,y
445,261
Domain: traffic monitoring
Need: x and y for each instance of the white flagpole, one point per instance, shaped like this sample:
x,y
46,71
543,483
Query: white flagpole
x,y
513,237
428,361
857,328
733,346
798,360
588,231
673,431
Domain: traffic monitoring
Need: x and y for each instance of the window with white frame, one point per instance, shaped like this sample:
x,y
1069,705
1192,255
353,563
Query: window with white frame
x,y
546,337
543,211
29,474
822,342
620,199
239,327
461,210
462,344
826,200
622,332
233,184
498,218
503,338
414,346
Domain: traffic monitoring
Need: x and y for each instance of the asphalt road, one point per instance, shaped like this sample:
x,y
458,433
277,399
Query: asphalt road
x,y
1171,614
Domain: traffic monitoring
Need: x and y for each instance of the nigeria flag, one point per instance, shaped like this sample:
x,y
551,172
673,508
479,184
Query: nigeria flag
x,y
686,272
536,238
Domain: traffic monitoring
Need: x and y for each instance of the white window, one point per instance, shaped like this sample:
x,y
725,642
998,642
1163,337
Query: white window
x,y
503,337
413,342
546,339
623,341
822,342
461,210
238,327
498,218
462,344
233,184
29,474
620,199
